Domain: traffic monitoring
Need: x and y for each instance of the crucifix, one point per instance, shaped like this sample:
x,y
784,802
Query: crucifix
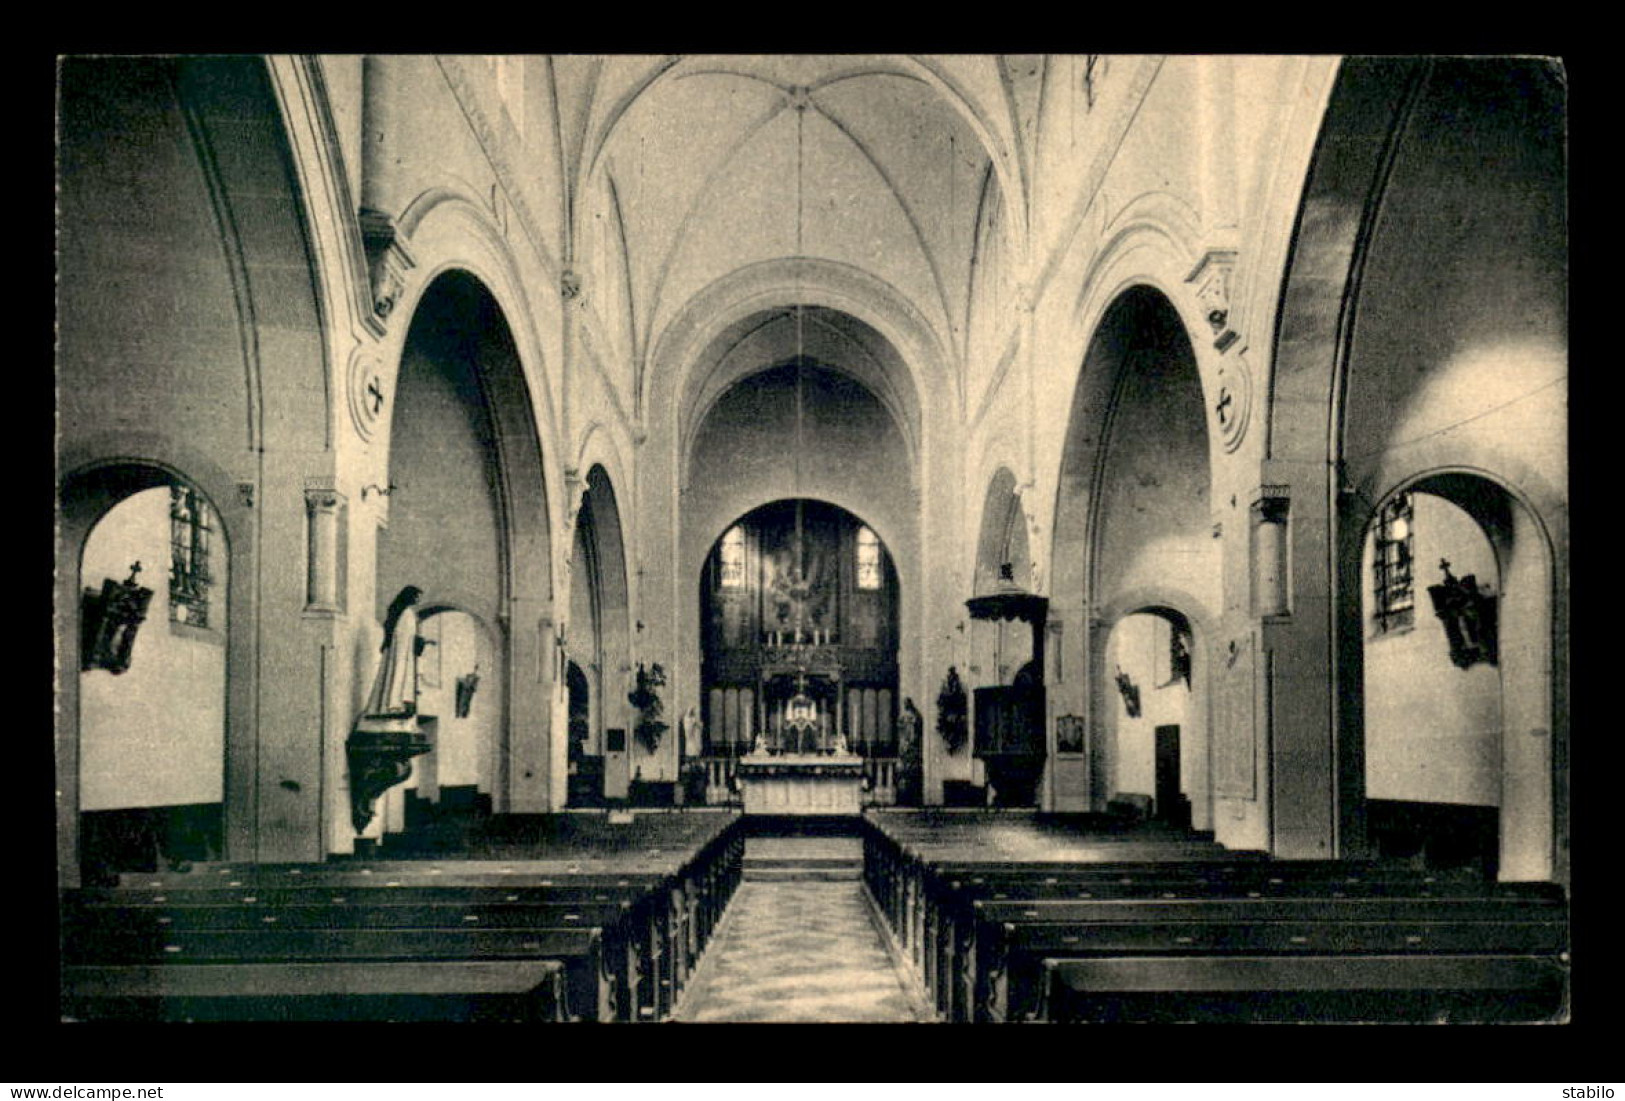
x,y
1223,406
376,393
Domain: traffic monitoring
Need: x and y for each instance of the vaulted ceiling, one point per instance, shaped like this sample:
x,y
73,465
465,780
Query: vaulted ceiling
x,y
683,170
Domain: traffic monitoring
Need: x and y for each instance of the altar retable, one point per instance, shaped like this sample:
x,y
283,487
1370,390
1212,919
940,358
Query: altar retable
x,y
804,766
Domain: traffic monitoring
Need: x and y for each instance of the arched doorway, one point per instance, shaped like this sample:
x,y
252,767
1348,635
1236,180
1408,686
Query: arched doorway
x,y
143,729
798,600
1158,755
586,757
599,660
1456,622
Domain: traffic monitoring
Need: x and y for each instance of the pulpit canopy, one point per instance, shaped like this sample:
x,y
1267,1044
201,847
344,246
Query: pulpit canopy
x,y
1009,601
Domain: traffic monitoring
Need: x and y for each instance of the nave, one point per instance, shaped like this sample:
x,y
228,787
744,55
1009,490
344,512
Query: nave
x,y
897,917
1130,492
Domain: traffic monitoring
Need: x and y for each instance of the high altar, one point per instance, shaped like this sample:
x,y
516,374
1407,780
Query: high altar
x,y
799,664
802,764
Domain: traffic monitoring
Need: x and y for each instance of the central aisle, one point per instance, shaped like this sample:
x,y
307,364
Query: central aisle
x,y
799,946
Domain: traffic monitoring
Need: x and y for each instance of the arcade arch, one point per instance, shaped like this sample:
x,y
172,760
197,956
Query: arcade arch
x,y
467,518
598,649
1132,518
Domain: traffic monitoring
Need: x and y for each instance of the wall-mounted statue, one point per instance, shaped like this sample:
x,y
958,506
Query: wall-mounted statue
x,y
1468,615
386,737
466,686
1130,693
110,620
649,727
953,711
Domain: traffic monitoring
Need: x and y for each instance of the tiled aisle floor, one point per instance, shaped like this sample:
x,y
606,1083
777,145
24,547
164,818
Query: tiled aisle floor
x,y
798,952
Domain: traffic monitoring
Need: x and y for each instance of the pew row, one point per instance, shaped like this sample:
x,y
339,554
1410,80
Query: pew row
x,y
580,952
983,929
1006,977
646,920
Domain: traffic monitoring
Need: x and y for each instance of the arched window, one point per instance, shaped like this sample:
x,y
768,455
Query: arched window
x,y
733,558
868,559
191,522
1394,594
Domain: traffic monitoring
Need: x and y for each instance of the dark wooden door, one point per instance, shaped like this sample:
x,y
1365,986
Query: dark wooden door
x,y
1167,763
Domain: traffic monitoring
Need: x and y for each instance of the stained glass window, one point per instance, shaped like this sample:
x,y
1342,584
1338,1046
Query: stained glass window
x,y
191,522
868,559
733,558
1394,594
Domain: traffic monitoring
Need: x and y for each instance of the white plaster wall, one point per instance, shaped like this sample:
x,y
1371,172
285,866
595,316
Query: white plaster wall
x,y
153,735
1134,648
1432,731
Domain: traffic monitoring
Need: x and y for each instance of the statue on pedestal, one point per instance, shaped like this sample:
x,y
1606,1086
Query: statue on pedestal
x,y
393,703
910,751
386,737
692,736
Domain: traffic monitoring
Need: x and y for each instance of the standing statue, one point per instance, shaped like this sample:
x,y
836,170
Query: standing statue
x,y
909,740
953,711
693,737
393,704
386,737
910,750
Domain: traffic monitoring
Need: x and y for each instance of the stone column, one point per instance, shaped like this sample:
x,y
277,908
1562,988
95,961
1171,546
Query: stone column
x,y
322,507
1270,584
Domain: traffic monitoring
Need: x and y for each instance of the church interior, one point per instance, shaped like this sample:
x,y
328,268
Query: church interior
x,y
962,538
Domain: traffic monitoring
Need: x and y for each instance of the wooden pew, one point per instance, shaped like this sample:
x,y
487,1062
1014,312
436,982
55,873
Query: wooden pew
x,y
579,951
628,927
1466,988
927,900
902,864
456,990
970,945
641,917
376,895
982,927
951,922
1008,955
661,904
102,917
353,875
